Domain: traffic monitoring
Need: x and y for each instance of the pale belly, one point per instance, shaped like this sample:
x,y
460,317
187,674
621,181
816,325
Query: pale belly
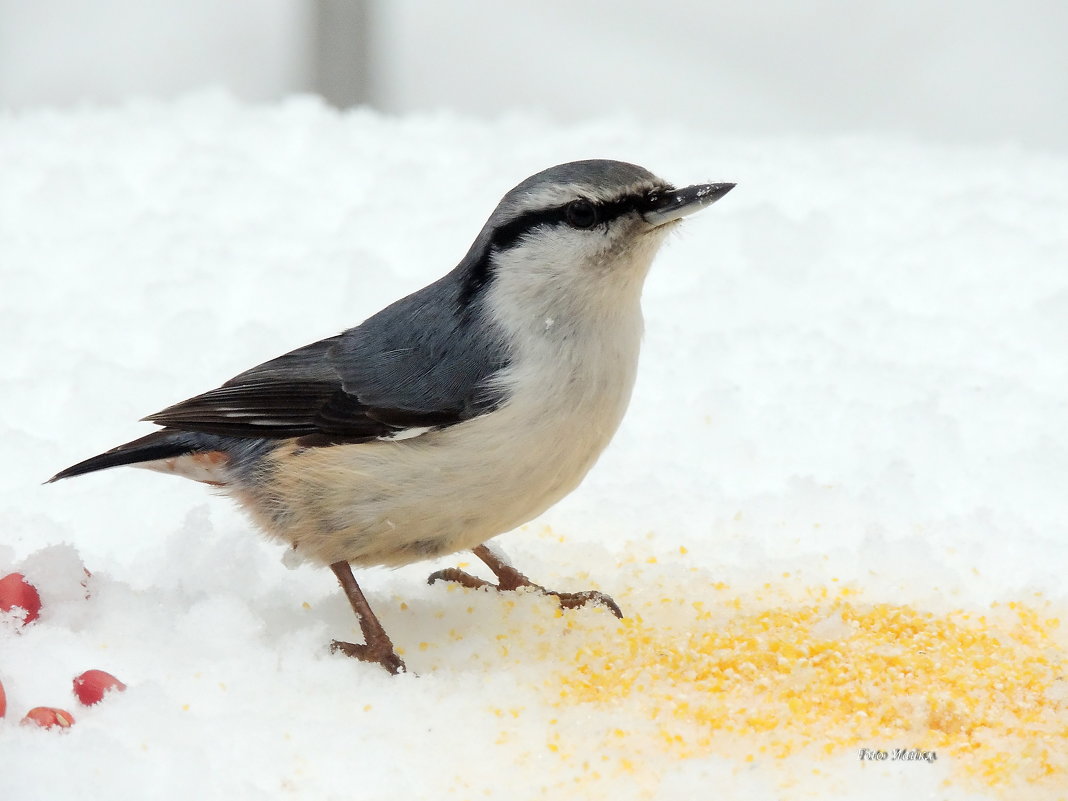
x,y
396,502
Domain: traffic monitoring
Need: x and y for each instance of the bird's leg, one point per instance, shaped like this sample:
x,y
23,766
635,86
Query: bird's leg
x,y
508,578
377,646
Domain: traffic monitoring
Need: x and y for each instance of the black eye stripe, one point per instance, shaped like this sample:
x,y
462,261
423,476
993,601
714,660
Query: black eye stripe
x,y
509,234
481,268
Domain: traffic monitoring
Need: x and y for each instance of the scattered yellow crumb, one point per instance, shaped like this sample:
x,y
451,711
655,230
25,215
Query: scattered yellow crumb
x,y
829,673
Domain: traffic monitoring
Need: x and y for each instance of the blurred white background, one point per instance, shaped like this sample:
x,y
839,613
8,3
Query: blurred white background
x,y
962,71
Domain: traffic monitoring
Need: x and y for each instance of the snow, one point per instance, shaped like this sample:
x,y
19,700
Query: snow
x,y
847,447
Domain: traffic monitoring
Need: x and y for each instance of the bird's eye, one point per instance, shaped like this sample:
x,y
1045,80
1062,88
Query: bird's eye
x,y
581,214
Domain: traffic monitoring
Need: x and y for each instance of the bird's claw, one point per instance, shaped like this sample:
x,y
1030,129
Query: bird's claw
x,y
386,657
515,580
457,576
573,600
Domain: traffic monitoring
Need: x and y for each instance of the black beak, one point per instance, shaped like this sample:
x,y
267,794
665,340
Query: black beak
x,y
664,207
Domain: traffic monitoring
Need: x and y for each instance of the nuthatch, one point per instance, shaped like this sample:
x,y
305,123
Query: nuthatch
x,y
453,415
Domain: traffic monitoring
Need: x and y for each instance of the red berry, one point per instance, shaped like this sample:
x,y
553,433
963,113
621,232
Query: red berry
x,y
16,591
91,686
48,716
3,700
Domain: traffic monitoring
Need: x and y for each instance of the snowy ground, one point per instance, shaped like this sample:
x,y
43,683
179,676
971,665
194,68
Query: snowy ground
x,y
835,514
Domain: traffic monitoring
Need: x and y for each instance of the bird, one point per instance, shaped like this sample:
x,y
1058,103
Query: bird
x,y
453,415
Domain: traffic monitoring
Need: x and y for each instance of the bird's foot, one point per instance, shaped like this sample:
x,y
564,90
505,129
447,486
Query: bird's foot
x,y
508,578
379,654
379,647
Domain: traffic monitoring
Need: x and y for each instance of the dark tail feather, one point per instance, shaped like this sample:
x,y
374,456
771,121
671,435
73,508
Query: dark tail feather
x,y
157,445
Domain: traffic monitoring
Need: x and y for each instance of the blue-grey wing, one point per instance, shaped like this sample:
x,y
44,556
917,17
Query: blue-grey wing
x,y
420,363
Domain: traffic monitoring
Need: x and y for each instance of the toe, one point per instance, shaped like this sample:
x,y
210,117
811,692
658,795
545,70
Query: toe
x,y
573,600
457,576
387,658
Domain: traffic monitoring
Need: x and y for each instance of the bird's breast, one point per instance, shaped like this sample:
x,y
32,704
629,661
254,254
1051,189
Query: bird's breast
x,y
448,490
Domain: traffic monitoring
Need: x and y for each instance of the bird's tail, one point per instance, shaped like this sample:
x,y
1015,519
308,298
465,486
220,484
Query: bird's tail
x,y
165,444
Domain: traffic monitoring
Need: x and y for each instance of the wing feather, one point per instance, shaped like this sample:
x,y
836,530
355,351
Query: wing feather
x,y
418,364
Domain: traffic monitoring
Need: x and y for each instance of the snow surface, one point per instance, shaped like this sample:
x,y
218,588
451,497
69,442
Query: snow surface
x,y
854,376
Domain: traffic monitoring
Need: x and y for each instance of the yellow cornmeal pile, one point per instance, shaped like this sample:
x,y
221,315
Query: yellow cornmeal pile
x,y
827,673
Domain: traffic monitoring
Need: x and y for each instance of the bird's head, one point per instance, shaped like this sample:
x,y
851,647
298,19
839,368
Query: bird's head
x,y
579,237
